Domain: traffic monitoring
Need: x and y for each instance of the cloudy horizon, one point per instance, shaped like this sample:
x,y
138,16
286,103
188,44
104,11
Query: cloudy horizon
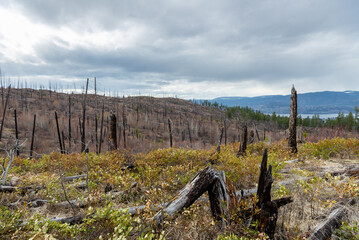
x,y
196,49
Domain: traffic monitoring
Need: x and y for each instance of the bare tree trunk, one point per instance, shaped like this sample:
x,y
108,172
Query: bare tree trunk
x,y
3,116
225,132
101,129
124,122
206,180
58,132
220,140
244,138
96,134
189,133
16,133
83,137
292,140
63,141
69,124
113,132
32,137
170,131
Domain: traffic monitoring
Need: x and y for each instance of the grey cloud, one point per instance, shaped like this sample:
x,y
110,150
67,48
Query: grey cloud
x,y
229,41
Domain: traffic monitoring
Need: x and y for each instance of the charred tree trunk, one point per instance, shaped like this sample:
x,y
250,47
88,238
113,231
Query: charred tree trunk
x,y
16,134
83,136
101,128
206,180
96,135
292,140
124,122
325,230
225,132
113,132
3,116
63,142
189,133
170,131
268,214
32,137
220,140
244,138
69,124
58,132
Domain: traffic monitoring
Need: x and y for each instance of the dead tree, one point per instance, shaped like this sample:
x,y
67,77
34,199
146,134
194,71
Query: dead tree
x,y
267,216
251,137
244,138
170,131
69,125
32,137
225,132
189,133
3,116
124,122
101,128
292,139
325,230
209,180
16,133
256,130
113,132
83,136
58,133
220,140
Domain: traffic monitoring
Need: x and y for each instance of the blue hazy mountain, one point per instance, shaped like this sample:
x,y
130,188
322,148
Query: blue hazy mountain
x,y
327,102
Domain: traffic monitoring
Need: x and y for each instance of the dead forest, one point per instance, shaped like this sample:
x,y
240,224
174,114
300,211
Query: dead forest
x,y
86,166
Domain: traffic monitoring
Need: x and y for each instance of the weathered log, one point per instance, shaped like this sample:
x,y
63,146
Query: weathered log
x,y
219,199
71,178
292,139
326,228
10,189
202,182
78,219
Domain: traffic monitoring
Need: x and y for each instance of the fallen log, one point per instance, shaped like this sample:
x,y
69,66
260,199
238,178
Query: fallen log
x,y
325,229
72,178
11,189
206,180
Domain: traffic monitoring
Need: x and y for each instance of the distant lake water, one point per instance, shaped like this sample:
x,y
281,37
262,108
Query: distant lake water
x,y
322,116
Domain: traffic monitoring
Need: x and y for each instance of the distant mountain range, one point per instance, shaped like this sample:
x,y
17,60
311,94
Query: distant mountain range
x,y
327,102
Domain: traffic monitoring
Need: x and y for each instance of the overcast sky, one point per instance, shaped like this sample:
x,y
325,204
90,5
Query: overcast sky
x,y
189,49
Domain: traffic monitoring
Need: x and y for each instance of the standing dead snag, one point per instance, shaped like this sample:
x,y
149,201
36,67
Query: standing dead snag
x,y
170,131
189,133
58,133
16,133
292,140
3,116
267,217
209,180
113,134
32,137
220,140
83,136
244,138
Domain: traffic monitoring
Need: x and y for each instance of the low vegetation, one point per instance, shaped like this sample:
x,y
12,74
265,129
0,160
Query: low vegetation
x,y
118,181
